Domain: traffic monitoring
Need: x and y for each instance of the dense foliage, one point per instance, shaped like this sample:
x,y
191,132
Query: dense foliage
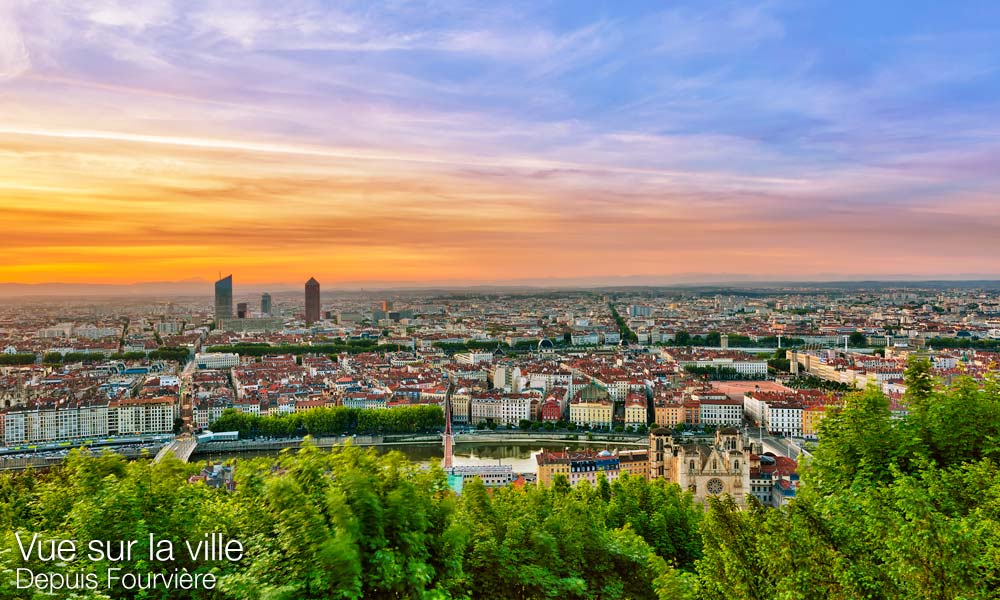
x,y
337,420
626,332
353,524
23,358
488,346
888,509
471,345
51,358
963,342
770,341
806,381
714,339
174,353
720,373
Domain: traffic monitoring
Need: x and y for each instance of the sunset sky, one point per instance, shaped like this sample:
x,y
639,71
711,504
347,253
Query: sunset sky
x,y
461,142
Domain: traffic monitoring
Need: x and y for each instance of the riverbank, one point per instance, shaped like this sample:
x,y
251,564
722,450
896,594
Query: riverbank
x,y
41,463
426,442
475,438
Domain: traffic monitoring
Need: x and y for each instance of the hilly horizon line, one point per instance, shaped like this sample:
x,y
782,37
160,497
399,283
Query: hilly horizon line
x,y
197,286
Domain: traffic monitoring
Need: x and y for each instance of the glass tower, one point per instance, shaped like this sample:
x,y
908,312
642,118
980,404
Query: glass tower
x,y
224,298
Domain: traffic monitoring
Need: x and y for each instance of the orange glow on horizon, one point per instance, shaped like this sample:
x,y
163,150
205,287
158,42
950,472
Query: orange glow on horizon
x,y
125,208
166,141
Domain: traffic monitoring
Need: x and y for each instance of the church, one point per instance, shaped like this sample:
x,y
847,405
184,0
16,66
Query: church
x,y
722,467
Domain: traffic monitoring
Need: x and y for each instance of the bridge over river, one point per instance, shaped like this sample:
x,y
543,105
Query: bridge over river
x,y
181,447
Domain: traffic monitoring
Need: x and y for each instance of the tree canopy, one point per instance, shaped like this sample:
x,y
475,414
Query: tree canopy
x,y
888,508
357,524
337,420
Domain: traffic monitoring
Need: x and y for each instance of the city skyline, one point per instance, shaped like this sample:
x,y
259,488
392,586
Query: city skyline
x,y
437,298
433,143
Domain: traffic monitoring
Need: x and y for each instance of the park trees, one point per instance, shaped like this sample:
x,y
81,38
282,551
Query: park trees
x,y
888,508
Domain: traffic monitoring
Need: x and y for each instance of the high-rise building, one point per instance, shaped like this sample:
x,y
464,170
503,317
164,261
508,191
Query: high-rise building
x,y
224,298
312,301
386,305
241,310
265,304
637,310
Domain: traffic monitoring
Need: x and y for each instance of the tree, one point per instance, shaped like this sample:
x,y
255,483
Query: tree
x,y
887,508
859,440
24,358
626,332
732,566
959,425
339,420
857,339
919,382
780,364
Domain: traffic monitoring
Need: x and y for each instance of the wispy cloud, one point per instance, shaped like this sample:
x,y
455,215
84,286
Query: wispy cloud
x,y
14,59
701,29
425,136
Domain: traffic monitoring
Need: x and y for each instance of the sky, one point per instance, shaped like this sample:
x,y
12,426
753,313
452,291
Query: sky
x,y
467,142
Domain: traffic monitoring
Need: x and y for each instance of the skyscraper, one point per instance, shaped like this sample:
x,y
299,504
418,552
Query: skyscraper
x,y
242,311
265,304
224,298
312,301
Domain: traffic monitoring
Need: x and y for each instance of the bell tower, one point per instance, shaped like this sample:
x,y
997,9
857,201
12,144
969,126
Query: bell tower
x,y
661,454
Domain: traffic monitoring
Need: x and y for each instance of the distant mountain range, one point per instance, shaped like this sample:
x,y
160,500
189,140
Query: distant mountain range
x,y
194,287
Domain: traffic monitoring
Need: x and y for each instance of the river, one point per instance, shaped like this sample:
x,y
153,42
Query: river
x,y
520,456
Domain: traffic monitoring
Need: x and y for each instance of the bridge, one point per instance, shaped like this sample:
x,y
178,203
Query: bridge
x,y
44,461
182,447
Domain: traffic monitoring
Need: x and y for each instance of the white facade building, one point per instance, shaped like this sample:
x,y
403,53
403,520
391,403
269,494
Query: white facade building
x,y
139,416
721,413
473,358
750,367
52,425
779,416
216,360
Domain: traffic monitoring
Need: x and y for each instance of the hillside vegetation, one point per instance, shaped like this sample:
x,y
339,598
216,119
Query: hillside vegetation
x,y
887,509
